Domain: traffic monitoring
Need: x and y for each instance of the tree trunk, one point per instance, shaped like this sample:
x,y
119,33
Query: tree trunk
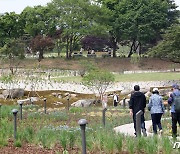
x,y
11,63
67,48
114,43
140,49
131,51
41,55
71,47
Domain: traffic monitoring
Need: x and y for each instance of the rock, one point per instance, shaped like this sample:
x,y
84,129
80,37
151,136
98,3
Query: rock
x,y
126,92
55,94
34,99
5,93
24,101
97,95
73,95
13,93
59,96
126,102
1,96
58,103
148,94
66,94
83,103
144,90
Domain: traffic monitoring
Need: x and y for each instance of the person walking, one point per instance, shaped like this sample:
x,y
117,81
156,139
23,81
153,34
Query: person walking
x,y
156,108
138,102
174,113
115,99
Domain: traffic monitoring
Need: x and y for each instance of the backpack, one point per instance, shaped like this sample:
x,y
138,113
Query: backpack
x,y
177,103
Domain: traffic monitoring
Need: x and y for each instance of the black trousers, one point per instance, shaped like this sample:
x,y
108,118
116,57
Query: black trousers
x,y
142,121
115,103
156,121
175,120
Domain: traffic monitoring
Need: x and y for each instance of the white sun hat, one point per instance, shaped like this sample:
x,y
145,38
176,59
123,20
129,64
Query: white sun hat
x,y
155,89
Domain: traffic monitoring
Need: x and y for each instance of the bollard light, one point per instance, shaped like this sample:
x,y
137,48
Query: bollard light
x,y
82,123
0,110
68,98
21,103
45,105
104,116
15,111
138,122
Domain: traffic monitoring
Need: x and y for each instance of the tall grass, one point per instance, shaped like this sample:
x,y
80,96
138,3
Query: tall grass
x,y
63,138
130,143
152,145
47,138
166,145
119,142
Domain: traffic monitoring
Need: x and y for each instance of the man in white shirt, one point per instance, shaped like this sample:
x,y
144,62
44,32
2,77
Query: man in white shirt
x,y
115,99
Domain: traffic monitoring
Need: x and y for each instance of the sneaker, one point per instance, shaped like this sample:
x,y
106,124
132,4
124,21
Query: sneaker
x,y
161,132
144,132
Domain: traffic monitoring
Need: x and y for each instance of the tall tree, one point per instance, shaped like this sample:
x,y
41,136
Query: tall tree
x,y
39,20
11,27
142,21
76,18
169,47
40,44
114,34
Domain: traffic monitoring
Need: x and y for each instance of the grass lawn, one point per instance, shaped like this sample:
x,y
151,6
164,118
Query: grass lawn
x,y
147,77
132,77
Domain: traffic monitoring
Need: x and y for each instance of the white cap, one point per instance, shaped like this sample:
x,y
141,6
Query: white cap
x,y
155,89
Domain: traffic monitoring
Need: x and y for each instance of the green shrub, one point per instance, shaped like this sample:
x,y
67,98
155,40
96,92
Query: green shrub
x,y
18,143
76,110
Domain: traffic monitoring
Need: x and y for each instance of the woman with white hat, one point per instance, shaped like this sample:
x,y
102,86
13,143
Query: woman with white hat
x,y
156,107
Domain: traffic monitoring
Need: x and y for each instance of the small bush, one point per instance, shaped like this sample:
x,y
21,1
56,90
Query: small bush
x,y
76,110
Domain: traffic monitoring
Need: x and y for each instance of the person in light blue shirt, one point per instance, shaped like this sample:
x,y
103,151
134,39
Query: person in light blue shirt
x,y
156,108
175,116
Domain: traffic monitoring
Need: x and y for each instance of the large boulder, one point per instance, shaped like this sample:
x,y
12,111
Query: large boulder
x,y
144,90
148,94
126,92
124,102
83,103
13,93
1,96
24,101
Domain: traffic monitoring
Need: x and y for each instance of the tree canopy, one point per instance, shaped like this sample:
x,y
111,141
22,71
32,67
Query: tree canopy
x,y
136,23
169,47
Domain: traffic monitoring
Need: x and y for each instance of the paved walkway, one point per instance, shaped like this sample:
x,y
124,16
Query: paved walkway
x,y
128,129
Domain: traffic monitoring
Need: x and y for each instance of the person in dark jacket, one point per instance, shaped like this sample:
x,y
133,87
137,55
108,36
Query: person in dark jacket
x,y
175,116
138,102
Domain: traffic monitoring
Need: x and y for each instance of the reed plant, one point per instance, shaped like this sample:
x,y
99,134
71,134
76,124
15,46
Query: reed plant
x,y
47,138
152,145
119,142
63,138
130,143
166,145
